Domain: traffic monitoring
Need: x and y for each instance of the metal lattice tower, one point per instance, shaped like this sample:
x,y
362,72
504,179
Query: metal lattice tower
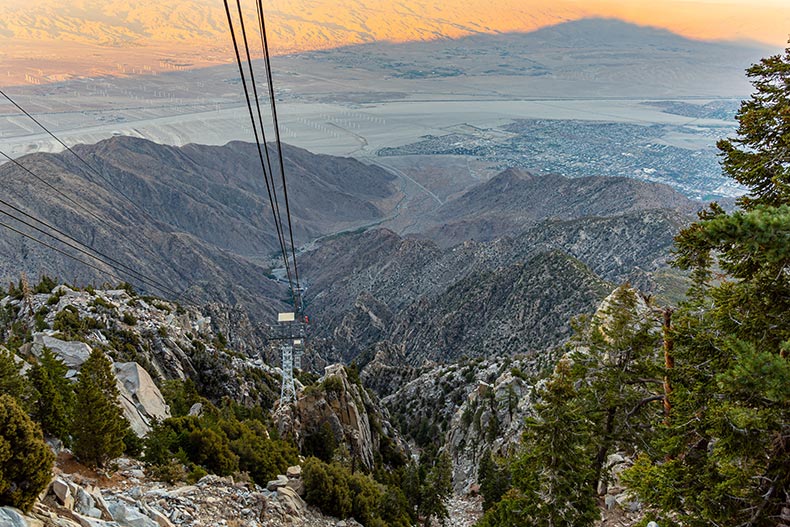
x,y
298,352
288,390
291,335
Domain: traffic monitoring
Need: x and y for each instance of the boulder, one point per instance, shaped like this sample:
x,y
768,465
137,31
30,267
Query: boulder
x,y
129,516
85,504
291,500
10,517
196,410
294,472
140,399
275,484
157,516
72,353
62,491
297,485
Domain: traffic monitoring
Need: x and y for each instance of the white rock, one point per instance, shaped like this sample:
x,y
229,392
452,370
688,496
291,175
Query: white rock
x,y
72,353
280,482
140,399
196,410
85,504
297,485
63,491
294,472
291,500
10,517
129,516
157,516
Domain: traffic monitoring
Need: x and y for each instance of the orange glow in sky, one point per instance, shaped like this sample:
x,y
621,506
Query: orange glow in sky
x,y
53,39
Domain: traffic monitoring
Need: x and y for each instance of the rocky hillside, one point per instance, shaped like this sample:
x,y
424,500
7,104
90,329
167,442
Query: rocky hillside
x,y
150,340
511,295
78,497
201,222
155,346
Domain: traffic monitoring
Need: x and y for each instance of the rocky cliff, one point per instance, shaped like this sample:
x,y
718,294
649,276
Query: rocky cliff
x,y
148,339
338,410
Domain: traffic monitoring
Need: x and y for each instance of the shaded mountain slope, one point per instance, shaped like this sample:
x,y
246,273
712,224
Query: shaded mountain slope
x,y
514,199
202,219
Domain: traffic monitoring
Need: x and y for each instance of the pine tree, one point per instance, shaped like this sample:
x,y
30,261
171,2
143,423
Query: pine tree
x,y
25,459
617,363
552,474
494,480
48,407
99,427
11,381
723,457
57,371
437,489
759,158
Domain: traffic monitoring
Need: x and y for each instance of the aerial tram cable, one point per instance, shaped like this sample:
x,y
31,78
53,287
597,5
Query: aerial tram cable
x,y
52,188
268,176
257,140
81,247
273,101
64,253
93,170
84,262
100,220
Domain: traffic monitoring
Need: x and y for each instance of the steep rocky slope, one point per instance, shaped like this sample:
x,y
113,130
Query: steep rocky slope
x,y
510,295
149,340
338,410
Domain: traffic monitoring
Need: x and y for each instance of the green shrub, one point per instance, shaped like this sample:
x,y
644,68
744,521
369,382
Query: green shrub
x,y
320,443
132,443
170,472
54,299
25,459
333,385
45,286
337,492
212,450
221,445
11,381
129,319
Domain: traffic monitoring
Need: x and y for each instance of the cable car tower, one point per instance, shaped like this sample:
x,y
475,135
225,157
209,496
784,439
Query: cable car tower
x,y
292,330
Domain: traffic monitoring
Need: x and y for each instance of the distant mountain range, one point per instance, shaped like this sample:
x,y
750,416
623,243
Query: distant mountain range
x,y
52,41
202,218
